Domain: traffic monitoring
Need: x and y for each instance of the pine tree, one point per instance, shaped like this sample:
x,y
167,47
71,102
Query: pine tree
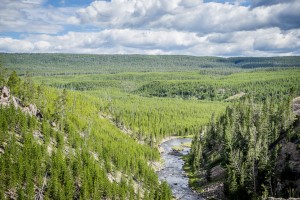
x,y
14,83
3,75
166,193
60,109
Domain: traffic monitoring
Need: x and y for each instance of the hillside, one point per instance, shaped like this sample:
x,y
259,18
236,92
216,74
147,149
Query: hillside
x,y
69,153
251,151
63,64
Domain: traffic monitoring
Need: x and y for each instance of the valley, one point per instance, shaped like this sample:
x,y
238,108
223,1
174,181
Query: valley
x,y
104,118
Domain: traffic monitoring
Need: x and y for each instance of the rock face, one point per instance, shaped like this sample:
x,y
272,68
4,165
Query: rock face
x,y
288,160
296,106
288,168
4,95
6,99
31,109
17,102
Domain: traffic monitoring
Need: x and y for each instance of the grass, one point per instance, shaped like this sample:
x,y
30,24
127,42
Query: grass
x,y
187,144
177,148
182,146
194,181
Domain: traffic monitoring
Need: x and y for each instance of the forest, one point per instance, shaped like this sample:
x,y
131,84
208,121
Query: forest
x,y
99,120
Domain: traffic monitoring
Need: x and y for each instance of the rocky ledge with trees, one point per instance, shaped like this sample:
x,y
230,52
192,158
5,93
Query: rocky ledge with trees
x,y
6,100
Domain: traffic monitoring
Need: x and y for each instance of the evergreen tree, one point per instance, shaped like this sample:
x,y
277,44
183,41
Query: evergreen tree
x,y
14,83
3,75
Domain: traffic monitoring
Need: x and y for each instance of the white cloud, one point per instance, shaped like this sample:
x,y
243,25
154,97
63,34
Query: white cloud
x,y
13,45
189,15
263,42
154,27
42,45
30,16
277,42
132,13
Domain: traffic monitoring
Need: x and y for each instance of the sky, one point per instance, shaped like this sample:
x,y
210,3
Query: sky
x,y
182,27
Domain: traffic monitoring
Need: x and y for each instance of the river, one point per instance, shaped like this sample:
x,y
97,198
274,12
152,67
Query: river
x,y
173,171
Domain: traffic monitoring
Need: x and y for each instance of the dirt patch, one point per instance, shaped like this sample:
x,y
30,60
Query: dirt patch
x,y
213,191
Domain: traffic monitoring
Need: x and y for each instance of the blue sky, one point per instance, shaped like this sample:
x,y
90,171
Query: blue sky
x,y
188,27
68,3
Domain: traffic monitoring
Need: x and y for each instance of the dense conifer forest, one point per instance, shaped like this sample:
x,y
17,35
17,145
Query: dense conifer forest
x,y
89,126
248,142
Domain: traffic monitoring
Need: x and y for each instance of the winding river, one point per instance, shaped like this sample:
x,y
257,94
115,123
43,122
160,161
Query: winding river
x,y
173,171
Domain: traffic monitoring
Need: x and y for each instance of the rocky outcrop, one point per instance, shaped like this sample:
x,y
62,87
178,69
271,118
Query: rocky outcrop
x,y
6,99
288,169
4,95
53,124
296,106
288,161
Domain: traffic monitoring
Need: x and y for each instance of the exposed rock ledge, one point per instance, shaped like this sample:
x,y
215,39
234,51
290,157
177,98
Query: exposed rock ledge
x,y
6,99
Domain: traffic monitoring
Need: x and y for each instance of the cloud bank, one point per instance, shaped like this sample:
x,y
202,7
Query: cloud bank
x,y
191,27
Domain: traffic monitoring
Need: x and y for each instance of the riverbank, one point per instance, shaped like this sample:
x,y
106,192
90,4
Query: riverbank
x,y
213,189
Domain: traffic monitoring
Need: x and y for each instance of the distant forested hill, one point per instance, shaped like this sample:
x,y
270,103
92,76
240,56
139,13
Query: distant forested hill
x,y
47,64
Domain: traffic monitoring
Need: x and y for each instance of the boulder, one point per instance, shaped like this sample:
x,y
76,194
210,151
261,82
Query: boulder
x,y
32,109
4,94
53,124
17,102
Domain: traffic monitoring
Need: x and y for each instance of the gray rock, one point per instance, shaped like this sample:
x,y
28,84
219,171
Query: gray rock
x,y
14,102
17,102
32,109
4,94
53,124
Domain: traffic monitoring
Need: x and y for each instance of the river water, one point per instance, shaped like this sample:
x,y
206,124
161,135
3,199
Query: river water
x,y
173,171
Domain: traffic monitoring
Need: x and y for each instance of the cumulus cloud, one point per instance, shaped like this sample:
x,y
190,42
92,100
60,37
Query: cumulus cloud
x,y
277,42
128,41
30,16
189,15
13,45
192,27
132,13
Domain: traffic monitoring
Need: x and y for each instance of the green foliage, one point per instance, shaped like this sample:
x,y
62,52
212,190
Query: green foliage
x,y
73,161
2,74
111,111
156,118
14,83
64,64
242,137
258,84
